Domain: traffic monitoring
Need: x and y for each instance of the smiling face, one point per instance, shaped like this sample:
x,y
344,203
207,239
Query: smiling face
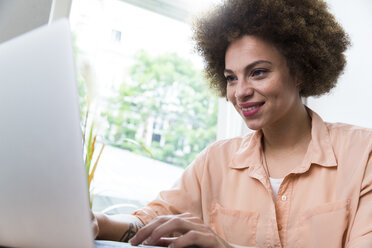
x,y
259,83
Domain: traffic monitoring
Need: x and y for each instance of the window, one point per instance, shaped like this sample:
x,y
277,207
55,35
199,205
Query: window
x,y
115,35
156,137
148,89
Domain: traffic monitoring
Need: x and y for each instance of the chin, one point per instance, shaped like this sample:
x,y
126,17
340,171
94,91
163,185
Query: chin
x,y
253,126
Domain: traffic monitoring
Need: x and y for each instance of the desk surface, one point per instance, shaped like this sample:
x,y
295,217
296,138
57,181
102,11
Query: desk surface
x,y
111,244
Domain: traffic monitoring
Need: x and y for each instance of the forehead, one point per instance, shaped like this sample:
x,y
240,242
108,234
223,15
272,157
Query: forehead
x,y
248,49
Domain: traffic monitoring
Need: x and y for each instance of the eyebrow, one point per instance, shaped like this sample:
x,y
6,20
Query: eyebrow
x,y
250,66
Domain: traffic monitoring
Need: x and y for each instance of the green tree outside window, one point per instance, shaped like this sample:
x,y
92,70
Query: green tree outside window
x,y
168,100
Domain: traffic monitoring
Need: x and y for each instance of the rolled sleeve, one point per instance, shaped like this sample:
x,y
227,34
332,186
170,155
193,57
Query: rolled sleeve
x,y
184,196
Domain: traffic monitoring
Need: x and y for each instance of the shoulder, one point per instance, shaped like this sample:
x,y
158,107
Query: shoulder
x,y
346,133
223,151
352,146
216,159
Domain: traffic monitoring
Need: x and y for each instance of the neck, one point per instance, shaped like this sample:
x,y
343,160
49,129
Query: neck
x,y
290,133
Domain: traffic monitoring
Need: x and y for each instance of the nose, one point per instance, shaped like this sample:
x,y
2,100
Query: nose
x,y
243,90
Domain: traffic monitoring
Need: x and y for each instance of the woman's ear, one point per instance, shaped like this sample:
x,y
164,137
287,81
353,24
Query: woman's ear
x,y
298,81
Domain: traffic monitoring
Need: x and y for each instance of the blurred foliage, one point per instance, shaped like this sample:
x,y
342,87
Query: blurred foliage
x,y
168,89
81,84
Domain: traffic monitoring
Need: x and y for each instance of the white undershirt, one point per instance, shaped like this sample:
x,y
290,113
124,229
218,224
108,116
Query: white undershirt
x,y
275,185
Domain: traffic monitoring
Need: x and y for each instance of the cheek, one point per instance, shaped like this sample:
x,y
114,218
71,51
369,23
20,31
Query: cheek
x,y
279,89
270,91
290,92
230,93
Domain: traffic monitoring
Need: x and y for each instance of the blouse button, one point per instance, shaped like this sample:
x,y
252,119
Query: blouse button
x,y
284,198
280,227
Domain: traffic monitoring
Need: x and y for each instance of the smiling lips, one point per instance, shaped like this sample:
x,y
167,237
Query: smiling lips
x,y
250,108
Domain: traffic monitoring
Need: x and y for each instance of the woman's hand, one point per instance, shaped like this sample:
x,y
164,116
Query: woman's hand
x,y
193,233
95,226
119,227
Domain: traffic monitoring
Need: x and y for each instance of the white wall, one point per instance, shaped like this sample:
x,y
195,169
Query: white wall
x,y
351,100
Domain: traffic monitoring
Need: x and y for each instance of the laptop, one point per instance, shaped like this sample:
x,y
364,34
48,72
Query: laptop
x,y
43,185
20,16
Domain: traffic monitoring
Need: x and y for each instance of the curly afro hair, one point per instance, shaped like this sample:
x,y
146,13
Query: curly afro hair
x,y
304,31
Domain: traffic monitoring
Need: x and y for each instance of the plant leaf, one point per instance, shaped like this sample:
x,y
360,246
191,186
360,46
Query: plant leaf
x,y
88,149
95,166
140,145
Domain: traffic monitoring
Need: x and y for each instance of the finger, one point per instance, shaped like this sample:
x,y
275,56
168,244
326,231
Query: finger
x,y
165,242
172,225
146,231
185,215
195,238
194,220
190,217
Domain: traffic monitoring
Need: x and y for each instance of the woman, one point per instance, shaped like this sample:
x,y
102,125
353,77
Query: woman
x,y
296,181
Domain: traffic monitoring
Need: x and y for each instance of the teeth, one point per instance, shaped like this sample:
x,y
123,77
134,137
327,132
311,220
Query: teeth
x,y
250,108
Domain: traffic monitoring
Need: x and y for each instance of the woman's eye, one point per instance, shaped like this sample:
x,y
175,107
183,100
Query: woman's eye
x,y
258,72
230,78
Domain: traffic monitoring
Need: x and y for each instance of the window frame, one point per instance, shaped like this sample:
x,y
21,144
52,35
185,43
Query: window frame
x,y
230,124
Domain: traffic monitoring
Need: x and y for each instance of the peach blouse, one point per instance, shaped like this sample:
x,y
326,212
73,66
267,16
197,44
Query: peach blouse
x,y
324,202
